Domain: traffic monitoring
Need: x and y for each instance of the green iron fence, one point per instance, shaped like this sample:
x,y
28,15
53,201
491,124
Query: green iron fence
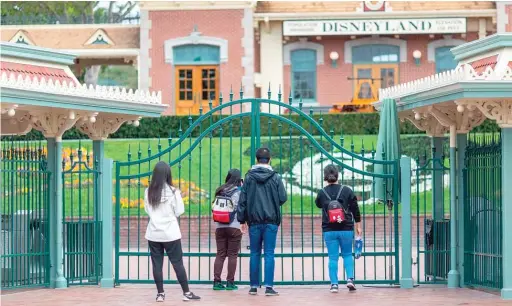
x,y
431,227
199,165
483,229
81,223
25,196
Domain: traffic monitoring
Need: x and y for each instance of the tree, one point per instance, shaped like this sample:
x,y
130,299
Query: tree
x,y
44,12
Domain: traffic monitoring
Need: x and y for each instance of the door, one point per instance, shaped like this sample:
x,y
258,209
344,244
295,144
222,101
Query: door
x,y
195,87
369,78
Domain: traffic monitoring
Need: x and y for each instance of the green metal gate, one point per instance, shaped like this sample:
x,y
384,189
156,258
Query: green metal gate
x,y
431,227
483,230
227,137
81,225
25,196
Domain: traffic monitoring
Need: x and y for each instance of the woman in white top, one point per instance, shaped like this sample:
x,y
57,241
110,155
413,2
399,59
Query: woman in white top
x,y
163,204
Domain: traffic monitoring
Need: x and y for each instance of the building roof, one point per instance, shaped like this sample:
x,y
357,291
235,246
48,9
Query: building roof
x,y
281,10
72,37
351,6
49,73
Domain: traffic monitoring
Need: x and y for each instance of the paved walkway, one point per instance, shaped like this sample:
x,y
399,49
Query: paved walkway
x,y
144,295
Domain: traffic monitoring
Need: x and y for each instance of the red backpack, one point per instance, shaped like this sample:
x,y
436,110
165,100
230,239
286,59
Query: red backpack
x,y
223,210
336,210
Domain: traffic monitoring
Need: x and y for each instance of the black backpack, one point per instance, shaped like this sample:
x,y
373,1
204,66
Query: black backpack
x,y
338,212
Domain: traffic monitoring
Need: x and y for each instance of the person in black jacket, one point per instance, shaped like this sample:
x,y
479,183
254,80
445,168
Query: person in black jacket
x,y
339,234
262,196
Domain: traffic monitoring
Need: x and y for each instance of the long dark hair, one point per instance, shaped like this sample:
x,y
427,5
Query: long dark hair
x,y
161,176
233,180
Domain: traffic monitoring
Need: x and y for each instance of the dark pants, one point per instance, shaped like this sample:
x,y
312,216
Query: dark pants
x,y
266,235
175,254
228,245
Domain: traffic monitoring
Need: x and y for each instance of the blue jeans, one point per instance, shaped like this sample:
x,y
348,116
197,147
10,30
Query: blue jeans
x,y
335,241
265,234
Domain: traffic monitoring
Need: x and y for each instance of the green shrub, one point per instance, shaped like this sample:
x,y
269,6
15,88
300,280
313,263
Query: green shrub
x,y
165,126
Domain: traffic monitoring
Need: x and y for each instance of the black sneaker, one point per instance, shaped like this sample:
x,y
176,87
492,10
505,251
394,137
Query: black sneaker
x,y
334,289
190,296
253,291
271,292
160,297
350,285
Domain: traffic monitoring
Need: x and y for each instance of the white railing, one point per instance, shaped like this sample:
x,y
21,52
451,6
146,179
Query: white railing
x,y
460,74
117,94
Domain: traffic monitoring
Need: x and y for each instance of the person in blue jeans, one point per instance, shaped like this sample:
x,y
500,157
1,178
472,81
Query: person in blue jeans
x,y
261,198
339,231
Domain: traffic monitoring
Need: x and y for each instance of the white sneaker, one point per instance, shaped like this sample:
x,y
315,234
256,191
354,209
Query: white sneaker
x,y
160,297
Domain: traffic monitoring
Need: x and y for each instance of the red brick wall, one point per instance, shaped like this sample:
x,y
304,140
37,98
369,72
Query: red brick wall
x,y
332,84
225,24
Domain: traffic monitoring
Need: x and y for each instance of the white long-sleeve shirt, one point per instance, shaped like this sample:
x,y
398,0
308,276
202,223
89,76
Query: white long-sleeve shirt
x,y
163,220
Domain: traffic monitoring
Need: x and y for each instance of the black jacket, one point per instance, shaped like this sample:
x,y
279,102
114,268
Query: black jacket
x,y
262,195
346,196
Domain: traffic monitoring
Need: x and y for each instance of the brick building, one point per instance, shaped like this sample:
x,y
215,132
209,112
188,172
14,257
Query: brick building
x,y
326,53
322,52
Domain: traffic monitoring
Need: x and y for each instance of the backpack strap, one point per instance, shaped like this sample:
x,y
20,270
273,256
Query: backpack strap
x,y
327,195
339,192
337,196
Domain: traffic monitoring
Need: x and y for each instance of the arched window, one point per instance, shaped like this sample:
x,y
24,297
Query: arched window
x,y
303,78
445,59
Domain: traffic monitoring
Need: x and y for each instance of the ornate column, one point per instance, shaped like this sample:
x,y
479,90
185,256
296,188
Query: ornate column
x,y
53,125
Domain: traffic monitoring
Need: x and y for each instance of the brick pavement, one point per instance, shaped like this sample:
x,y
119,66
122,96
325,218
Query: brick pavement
x,y
307,295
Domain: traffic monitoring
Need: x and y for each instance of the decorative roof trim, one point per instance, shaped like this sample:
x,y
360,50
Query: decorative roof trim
x,y
24,36
97,37
114,94
402,44
36,53
446,42
298,45
462,73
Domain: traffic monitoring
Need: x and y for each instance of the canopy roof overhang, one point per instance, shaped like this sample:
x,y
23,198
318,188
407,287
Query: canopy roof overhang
x,y
479,88
34,99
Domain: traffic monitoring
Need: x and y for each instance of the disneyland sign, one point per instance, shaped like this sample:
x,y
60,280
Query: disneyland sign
x,y
374,26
